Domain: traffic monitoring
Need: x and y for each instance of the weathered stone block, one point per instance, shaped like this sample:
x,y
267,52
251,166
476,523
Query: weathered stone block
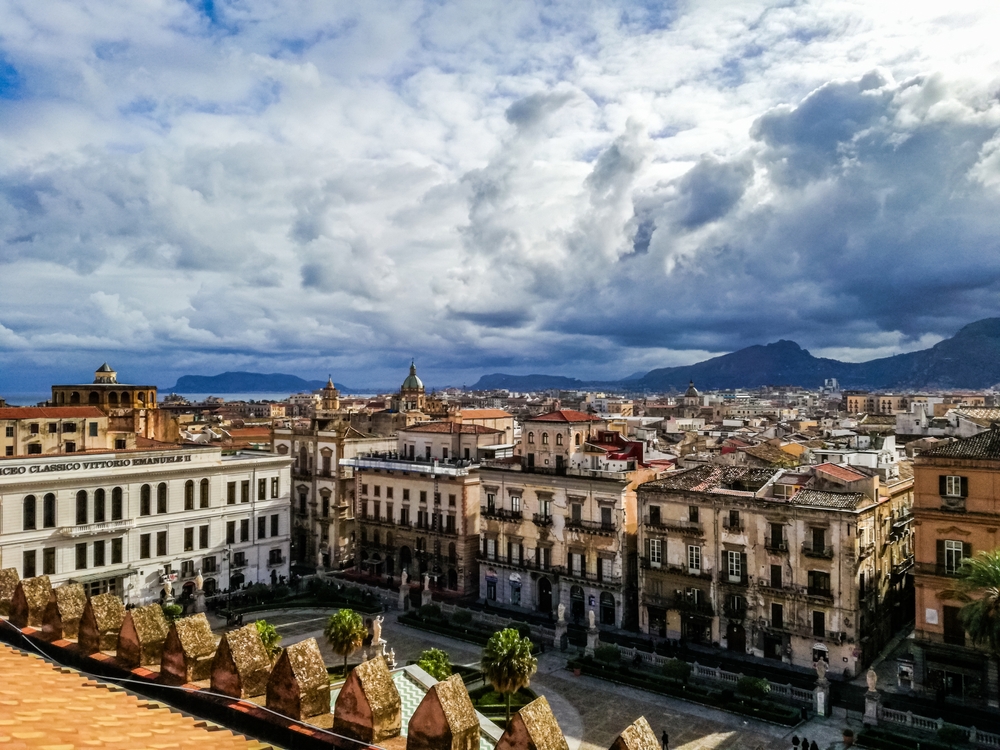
x,y
63,612
188,651
27,606
368,707
534,727
141,638
637,736
445,719
299,686
102,618
8,582
241,665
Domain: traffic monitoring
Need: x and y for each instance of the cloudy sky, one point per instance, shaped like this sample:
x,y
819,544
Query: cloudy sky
x,y
590,189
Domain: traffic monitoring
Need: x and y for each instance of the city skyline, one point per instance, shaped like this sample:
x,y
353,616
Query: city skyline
x,y
199,188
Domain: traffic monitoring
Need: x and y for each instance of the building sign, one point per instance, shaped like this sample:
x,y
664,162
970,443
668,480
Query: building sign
x,y
119,463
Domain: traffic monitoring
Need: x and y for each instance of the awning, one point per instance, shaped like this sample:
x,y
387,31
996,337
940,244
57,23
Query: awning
x,y
103,576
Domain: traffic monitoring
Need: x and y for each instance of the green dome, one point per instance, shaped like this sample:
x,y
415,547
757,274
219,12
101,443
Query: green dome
x,y
412,382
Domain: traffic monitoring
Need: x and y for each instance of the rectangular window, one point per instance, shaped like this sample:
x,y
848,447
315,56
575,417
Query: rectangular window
x,y
776,536
364,489
423,496
954,633
99,550
694,557
116,551
53,428
734,566
818,582
262,489
28,564
576,512
693,513
161,543
231,493
208,564
491,589
655,552
451,501
245,530
818,540
734,519
245,491
230,532
276,518
144,546
239,559
68,427
120,444
406,494
819,624
189,538
388,493
275,487
545,508
8,450
34,429
953,555
378,490
404,516
775,576
953,486
81,556
491,549
262,527
515,503
606,518
71,447
49,561
450,527
777,616
203,537
9,431
34,449
93,429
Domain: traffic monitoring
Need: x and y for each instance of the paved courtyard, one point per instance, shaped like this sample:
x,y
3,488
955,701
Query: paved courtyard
x,y
591,712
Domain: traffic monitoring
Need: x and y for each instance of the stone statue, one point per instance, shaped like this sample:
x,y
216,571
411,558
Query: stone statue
x,y
392,658
872,679
168,589
821,667
199,582
427,581
593,624
561,610
403,578
377,630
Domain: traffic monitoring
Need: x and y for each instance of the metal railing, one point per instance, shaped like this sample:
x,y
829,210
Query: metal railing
x,y
775,545
672,524
593,527
105,527
680,570
541,519
810,550
501,514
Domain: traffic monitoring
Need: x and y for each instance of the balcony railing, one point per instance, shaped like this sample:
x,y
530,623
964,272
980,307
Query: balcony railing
x,y
274,562
522,563
592,527
732,528
865,550
92,529
776,546
679,570
584,575
825,553
541,519
818,592
501,514
933,569
681,604
671,524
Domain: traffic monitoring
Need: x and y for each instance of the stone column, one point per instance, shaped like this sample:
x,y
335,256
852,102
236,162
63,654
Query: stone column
x,y
821,693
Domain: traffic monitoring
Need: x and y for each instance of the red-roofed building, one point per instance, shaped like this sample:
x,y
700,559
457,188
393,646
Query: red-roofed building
x,y
556,440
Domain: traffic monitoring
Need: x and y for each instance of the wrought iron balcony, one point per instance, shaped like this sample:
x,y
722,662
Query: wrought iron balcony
x,y
541,519
825,553
500,514
592,527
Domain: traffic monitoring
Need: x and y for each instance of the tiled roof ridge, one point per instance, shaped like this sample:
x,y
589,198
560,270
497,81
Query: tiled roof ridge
x,y
49,412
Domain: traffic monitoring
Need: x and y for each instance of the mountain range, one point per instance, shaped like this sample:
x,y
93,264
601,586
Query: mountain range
x,y
249,382
969,359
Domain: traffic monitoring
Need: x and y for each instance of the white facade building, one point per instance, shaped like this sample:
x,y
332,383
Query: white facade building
x,y
128,521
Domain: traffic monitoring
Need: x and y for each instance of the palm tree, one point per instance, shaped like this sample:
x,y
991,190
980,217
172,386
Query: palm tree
x,y
978,585
345,631
507,663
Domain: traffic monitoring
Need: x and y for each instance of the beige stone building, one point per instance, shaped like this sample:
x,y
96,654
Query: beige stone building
x,y
322,511
130,408
47,430
788,565
418,507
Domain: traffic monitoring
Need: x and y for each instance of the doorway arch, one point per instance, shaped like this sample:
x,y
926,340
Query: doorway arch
x,y
577,606
607,609
545,595
736,638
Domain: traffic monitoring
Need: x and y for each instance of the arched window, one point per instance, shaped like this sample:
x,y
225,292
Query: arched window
x,y
116,504
62,398
203,494
49,511
545,438
209,586
189,495
161,497
142,398
112,399
81,508
531,437
94,398
74,397
559,439
144,500
577,439
29,512
99,506
126,399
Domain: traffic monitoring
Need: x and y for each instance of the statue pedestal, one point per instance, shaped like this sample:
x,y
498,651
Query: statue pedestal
x,y
821,698
199,602
873,702
425,596
404,594
592,636
560,635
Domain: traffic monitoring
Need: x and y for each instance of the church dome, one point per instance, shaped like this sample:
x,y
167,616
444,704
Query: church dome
x,y
692,392
412,382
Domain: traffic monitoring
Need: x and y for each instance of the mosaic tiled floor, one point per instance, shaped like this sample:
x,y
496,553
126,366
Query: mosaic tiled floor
x,y
411,693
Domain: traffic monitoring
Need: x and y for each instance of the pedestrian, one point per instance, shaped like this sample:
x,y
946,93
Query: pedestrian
x,y
664,740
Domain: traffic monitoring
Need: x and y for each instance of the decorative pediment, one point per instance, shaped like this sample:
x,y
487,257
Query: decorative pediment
x,y
954,530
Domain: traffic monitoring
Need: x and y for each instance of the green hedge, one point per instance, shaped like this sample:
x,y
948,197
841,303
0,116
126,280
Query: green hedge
x,y
441,625
656,683
296,602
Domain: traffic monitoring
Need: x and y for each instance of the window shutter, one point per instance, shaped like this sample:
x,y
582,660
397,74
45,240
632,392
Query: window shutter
x,y
965,486
648,557
942,485
743,566
724,569
966,549
940,552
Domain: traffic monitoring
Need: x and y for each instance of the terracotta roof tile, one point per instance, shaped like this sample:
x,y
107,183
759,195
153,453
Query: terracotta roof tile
x,y
843,473
565,415
44,706
451,428
485,414
984,445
